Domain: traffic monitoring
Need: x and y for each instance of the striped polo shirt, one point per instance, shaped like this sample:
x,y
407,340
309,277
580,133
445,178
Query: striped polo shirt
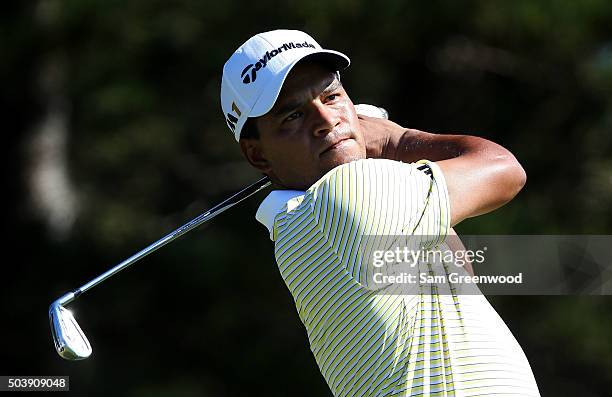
x,y
366,340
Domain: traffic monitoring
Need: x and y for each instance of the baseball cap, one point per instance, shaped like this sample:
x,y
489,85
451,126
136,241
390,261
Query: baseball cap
x,y
254,75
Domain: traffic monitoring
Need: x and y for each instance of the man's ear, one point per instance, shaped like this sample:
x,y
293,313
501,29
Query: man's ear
x,y
251,149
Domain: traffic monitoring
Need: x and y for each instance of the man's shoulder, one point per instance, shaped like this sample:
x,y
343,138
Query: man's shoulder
x,y
356,188
371,173
345,192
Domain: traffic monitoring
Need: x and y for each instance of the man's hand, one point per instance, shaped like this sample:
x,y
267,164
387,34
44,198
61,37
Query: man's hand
x,y
378,133
481,175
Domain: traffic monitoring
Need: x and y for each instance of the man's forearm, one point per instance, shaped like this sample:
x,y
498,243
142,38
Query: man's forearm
x,y
385,139
480,174
413,145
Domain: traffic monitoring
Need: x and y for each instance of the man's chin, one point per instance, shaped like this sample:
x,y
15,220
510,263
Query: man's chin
x,y
330,161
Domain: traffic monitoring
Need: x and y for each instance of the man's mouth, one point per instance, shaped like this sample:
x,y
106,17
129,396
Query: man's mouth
x,y
336,145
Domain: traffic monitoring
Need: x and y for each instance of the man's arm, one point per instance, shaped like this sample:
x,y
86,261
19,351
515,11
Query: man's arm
x,y
481,175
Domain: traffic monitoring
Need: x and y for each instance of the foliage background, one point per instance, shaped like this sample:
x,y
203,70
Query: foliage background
x,y
115,137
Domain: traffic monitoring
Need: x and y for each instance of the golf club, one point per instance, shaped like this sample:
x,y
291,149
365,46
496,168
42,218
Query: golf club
x,y
70,341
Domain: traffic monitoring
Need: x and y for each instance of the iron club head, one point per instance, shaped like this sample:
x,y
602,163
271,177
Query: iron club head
x,y
68,338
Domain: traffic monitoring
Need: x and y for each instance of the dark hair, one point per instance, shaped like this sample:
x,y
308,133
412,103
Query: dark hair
x,y
249,129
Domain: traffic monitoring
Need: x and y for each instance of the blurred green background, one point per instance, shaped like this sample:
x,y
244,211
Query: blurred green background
x,y
115,137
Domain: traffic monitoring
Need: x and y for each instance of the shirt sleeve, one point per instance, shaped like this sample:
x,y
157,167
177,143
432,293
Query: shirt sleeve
x,y
436,214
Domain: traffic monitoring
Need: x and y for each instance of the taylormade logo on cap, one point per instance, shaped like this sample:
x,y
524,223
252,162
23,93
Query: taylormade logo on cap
x,y
253,76
246,79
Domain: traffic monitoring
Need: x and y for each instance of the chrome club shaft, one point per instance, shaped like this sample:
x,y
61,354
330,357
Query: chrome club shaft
x,y
69,340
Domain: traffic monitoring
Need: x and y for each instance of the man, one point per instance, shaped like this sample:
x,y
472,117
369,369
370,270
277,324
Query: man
x,y
343,178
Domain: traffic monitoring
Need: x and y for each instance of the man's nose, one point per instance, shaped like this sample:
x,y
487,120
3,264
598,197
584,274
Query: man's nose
x,y
324,119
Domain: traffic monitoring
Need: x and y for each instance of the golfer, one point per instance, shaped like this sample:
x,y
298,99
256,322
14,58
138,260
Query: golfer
x,y
340,179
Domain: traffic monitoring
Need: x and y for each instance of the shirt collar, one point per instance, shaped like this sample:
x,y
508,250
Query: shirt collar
x,y
272,206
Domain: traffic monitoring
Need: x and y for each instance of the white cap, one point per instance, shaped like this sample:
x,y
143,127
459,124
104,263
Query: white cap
x,y
253,76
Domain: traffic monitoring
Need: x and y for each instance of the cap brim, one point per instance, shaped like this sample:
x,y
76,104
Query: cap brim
x,y
337,60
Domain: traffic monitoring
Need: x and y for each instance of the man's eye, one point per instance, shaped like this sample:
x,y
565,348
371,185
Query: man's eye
x,y
332,97
293,116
